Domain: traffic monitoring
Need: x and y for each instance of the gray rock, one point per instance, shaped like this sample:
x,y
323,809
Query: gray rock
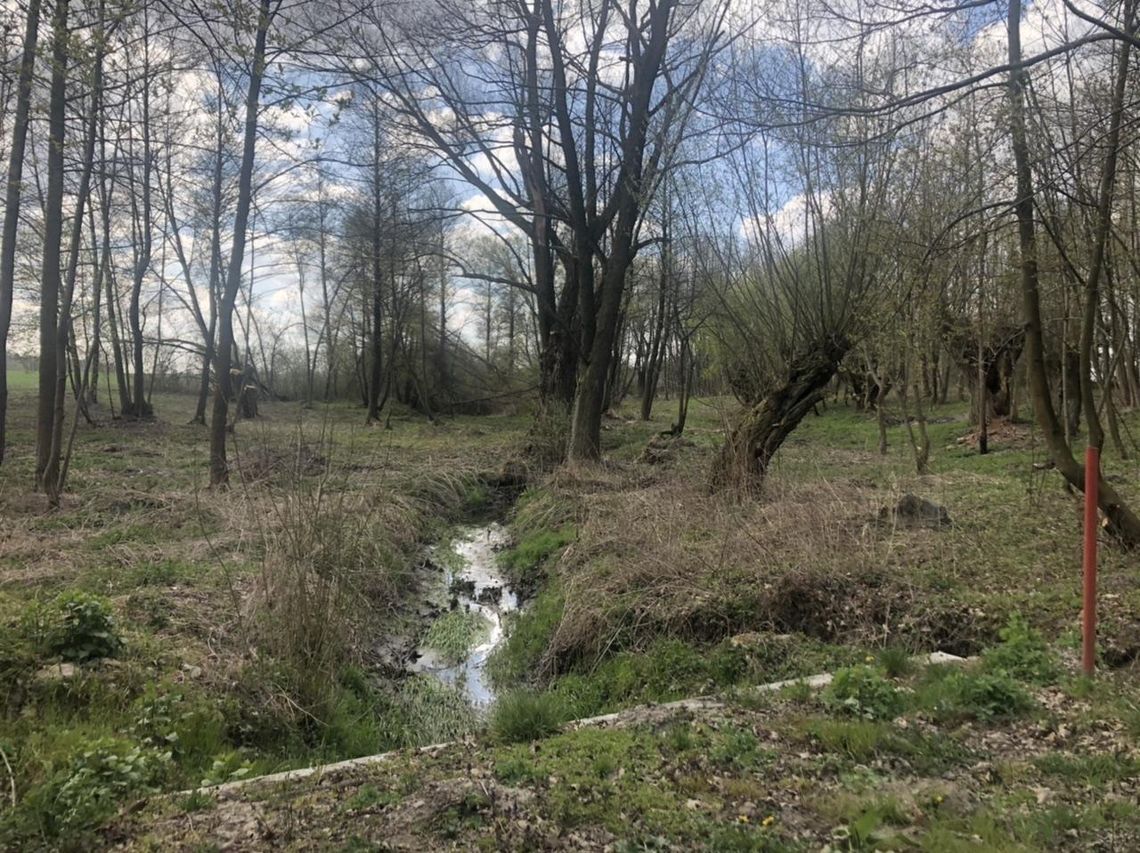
x,y
913,511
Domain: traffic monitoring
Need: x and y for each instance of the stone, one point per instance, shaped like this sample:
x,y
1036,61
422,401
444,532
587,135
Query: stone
x,y
57,672
913,511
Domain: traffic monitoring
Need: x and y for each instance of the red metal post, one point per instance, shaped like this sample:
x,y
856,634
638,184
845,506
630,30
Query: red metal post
x,y
1092,479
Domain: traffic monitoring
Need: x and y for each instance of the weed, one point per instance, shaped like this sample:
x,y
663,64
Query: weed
x,y
745,839
896,661
230,766
196,801
1094,771
524,715
864,692
959,695
1022,654
870,828
163,573
170,718
369,797
514,769
857,739
420,710
455,633
736,747
80,796
679,736
77,627
451,822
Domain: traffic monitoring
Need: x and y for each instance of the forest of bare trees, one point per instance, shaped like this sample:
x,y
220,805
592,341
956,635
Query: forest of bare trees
x,y
456,206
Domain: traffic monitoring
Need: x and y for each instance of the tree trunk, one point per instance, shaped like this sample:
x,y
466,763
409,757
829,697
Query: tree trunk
x,y
55,470
12,203
376,348
50,275
589,399
141,408
1121,519
219,469
685,389
747,452
656,352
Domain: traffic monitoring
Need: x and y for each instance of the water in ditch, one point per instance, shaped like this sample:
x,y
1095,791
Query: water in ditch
x,y
471,582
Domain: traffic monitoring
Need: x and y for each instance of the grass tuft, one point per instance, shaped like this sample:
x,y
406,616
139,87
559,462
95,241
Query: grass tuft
x,y
524,715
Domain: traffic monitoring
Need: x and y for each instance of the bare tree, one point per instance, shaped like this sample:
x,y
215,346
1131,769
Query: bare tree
x,y
223,355
12,200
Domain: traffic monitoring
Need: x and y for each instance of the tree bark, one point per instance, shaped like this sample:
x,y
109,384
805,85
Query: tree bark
x,y
12,203
1122,520
140,407
55,470
219,469
748,450
50,275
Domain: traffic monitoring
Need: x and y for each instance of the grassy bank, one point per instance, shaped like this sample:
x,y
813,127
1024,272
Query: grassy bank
x,y
155,634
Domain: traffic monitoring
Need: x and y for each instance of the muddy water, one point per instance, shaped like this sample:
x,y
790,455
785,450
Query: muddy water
x,y
472,581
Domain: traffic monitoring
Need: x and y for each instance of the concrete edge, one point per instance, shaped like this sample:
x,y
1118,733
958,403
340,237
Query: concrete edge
x,y
812,681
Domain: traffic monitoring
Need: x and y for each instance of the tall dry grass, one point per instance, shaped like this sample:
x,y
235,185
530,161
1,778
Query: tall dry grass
x,y
659,556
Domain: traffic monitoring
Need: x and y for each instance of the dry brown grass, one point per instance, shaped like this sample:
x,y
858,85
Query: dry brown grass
x,y
658,556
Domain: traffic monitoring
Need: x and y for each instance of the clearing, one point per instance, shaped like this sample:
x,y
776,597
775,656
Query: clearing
x,y
159,637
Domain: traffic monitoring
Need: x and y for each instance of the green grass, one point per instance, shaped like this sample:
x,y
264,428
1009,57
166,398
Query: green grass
x,y
181,572
456,632
952,695
181,567
523,715
26,381
612,779
528,555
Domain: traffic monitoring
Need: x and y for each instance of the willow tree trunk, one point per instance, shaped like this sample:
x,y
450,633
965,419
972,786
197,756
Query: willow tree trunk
x,y
743,461
12,203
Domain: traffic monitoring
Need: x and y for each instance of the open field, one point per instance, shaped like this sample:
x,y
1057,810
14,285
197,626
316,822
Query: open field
x,y
258,624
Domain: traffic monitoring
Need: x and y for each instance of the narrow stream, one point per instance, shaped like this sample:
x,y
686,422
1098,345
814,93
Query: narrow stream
x,y
472,582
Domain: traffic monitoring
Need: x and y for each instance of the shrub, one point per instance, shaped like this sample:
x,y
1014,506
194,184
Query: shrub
x,y
524,715
330,563
1022,654
90,789
167,717
865,692
78,627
